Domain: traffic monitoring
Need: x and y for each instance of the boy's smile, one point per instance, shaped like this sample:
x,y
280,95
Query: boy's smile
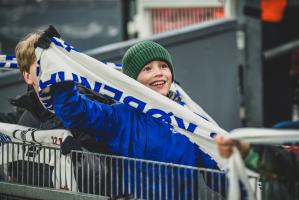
x,y
157,76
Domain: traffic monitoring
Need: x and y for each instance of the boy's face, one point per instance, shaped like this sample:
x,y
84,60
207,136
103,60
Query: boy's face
x,y
31,78
157,76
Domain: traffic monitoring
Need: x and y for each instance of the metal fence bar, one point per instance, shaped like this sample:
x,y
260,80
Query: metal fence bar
x,y
100,182
27,163
44,166
206,178
93,176
141,180
34,148
212,180
49,177
123,175
281,50
135,180
111,176
60,175
38,170
147,180
77,187
106,178
55,164
13,157
172,181
17,172
160,182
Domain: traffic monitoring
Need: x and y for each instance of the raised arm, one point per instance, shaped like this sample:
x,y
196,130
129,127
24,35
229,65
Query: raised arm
x,y
76,111
270,161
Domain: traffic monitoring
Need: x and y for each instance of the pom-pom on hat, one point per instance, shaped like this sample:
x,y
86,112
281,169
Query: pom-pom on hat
x,y
142,53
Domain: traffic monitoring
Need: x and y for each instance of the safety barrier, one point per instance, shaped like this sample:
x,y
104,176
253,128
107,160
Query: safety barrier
x,y
46,174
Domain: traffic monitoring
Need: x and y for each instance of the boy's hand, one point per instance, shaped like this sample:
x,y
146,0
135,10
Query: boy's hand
x,y
225,146
45,39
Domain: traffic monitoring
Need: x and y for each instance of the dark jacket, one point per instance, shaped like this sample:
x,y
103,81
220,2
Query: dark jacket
x,y
279,170
36,116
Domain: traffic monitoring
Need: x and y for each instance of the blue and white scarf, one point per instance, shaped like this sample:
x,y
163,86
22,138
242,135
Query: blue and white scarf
x,y
8,62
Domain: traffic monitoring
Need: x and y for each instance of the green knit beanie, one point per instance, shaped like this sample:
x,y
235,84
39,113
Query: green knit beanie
x,y
143,53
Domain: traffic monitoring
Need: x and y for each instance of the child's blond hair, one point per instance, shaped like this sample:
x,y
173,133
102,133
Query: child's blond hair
x,y
25,51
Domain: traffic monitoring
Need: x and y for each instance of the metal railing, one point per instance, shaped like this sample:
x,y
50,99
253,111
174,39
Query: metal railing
x,y
23,165
143,179
37,172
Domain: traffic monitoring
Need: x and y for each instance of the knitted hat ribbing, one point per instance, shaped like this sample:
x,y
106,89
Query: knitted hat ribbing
x,y
143,53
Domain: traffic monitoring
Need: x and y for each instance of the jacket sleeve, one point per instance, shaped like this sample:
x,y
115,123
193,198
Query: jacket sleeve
x,y
76,111
273,162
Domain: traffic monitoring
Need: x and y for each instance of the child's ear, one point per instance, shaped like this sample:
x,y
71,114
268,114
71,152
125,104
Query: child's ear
x,y
28,78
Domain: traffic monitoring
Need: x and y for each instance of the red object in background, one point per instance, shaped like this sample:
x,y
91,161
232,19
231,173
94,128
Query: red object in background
x,y
292,148
166,19
273,10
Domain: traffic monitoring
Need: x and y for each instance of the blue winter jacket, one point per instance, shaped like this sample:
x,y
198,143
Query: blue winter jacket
x,y
125,130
